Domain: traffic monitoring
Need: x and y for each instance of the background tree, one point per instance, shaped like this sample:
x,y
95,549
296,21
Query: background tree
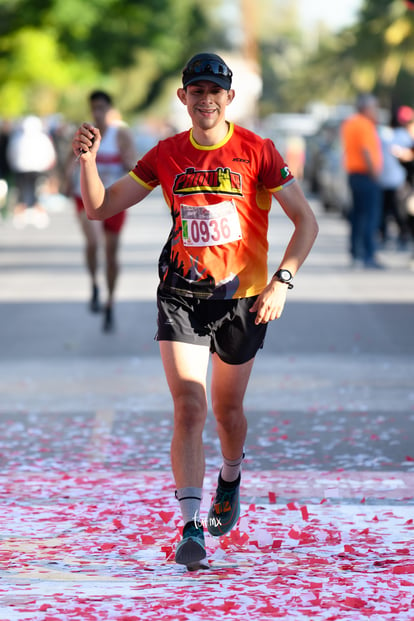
x,y
52,51
376,54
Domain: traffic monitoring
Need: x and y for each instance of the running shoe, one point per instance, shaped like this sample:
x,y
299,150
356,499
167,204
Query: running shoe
x,y
108,321
94,304
191,549
225,508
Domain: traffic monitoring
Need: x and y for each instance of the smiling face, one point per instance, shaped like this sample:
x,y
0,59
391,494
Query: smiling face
x,y
206,104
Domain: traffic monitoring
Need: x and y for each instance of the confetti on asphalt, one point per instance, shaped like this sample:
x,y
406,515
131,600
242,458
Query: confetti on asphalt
x,y
89,522
100,546
131,440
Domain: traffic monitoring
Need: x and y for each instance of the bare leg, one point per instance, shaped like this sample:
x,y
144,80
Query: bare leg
x,y
228,387
111,271
112,264
185,368
91,231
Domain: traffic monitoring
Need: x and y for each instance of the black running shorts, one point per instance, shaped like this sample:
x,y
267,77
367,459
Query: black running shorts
x,y
226,326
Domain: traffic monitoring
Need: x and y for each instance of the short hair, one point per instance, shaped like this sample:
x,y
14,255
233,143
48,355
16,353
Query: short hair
x,y
364,101
100,95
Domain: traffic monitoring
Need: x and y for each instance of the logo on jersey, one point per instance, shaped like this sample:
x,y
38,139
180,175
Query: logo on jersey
x,y
219,181
285,172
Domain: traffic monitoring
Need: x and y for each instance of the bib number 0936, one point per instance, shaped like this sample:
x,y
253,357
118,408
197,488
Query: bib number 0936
x,y
209,226
208,231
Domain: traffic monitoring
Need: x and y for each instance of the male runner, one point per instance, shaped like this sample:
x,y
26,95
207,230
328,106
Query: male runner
x,y
117,155
214,295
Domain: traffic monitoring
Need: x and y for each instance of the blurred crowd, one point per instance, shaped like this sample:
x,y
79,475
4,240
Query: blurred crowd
x,y
39,174
361,166
33,153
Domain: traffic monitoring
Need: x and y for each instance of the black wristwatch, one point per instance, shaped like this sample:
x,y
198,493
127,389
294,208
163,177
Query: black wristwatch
x,y
284,276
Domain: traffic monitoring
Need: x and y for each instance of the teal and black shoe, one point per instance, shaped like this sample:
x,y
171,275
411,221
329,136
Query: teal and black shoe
x,y
225,508
191,549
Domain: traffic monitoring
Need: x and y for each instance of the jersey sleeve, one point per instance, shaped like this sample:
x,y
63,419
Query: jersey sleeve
x,y
145,171
274,172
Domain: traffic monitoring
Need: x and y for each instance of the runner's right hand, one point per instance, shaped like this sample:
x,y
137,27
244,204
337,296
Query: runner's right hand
x,y
86,141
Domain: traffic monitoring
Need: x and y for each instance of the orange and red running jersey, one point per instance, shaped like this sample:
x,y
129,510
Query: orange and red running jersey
x,y
219,197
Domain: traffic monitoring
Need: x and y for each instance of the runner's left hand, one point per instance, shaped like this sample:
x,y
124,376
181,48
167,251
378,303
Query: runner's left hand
x,y
270,303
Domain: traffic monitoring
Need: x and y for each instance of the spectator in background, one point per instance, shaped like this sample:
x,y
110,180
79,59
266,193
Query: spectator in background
x,y
5,173
117,154
404,150
363,163
295,155
392,181
31,155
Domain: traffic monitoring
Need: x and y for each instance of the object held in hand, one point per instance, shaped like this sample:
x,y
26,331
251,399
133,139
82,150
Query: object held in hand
x,y
84,150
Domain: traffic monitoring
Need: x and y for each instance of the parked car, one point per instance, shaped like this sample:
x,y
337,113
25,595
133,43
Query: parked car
x,y
324,171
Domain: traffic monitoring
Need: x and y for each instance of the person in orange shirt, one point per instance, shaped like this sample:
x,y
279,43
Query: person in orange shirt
x,y
214,295
363,164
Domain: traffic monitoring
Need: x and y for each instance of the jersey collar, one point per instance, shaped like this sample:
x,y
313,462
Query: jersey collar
x,y
214,146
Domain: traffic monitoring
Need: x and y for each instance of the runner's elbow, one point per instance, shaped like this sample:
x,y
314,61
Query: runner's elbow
x,y
315,228
94,214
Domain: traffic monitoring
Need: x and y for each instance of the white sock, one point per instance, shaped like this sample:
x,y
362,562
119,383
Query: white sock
x,y
190,501
231,468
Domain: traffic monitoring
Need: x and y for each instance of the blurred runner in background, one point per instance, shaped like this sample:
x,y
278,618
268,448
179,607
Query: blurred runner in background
x,y
117,154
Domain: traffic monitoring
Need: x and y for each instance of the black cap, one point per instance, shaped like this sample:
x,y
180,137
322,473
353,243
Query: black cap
x,y
209,67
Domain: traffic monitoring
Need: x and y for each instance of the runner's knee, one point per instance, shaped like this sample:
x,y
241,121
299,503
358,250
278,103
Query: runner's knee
x,y
189,411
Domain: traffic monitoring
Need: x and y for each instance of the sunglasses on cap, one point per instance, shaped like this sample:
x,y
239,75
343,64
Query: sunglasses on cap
x,y
207,66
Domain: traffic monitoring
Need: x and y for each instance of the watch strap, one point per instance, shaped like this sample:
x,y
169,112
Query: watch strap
x,y
278,277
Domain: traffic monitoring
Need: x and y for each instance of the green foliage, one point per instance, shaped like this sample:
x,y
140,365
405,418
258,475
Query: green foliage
x,y
53,52
376,54
67,47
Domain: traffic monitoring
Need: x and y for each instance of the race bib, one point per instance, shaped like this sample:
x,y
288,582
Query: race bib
x,y
211,225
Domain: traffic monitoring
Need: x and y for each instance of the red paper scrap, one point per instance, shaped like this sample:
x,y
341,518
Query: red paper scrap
x,y
107,546
295,533
166,516
403,569
147,539
355,602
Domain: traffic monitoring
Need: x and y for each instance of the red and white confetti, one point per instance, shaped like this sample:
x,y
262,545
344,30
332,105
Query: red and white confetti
x,y
99,545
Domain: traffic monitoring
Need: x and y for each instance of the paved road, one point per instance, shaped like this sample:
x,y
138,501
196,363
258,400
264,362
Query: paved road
x,y
344,345
85,423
